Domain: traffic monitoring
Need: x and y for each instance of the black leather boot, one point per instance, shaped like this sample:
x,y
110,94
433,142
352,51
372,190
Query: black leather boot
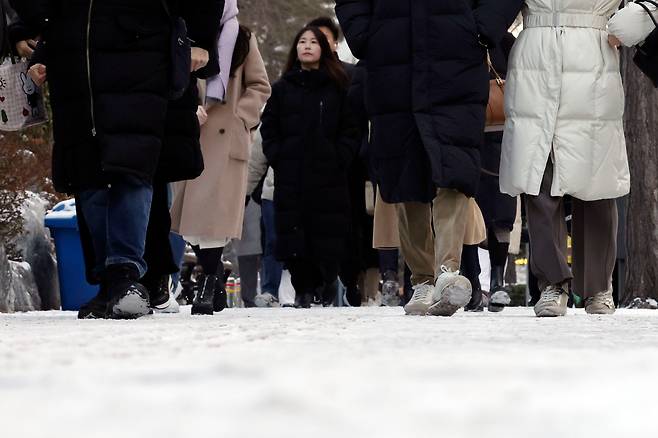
x,y
204,299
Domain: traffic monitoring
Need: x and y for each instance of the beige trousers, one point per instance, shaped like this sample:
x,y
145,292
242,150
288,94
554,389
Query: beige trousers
x,y
456,221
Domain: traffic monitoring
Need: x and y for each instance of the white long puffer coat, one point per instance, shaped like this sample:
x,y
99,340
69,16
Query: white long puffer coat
x,y
564,95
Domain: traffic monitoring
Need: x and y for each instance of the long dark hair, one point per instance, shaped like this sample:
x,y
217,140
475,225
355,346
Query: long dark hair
x,y
328,60
241,48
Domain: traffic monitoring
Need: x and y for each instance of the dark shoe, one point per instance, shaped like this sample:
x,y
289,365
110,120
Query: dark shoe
x,y
159,295
476,303
220,301
203,303
498,296
303,300
95,309
128,299
353,297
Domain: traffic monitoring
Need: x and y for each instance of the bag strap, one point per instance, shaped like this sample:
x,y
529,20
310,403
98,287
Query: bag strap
x,y
646,8
492,69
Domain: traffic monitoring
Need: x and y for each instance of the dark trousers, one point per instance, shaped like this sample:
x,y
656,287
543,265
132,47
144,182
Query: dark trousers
x,y
116,218
272,268
308,276
249,266
594,236
157,253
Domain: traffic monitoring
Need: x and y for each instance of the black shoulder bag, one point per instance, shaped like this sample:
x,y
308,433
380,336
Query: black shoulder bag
x,y
180,54
646,55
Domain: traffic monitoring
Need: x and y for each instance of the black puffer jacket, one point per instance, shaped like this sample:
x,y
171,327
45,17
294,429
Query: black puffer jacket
x,y
427,88
309,138
110,118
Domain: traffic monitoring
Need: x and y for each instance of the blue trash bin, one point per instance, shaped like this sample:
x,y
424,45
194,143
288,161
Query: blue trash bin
x,y
73,287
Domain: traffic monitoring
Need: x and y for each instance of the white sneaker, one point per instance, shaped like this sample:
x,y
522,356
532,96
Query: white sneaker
x,y
553,302
600,304
451,292
421,300
266,300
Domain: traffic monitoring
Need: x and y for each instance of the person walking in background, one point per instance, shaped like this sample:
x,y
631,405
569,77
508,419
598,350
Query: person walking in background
x,y
309,139
208,211
107,139
260,187
564,136
427,88
499,210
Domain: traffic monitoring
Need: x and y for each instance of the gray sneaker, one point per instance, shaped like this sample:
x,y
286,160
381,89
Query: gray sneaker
x,y
451,292
600,304
553,302
421,300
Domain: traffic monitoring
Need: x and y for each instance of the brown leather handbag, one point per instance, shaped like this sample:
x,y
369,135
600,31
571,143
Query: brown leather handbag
x,y
496,105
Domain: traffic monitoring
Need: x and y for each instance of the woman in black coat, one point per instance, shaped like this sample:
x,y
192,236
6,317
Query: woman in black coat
x,y
309,139
108,66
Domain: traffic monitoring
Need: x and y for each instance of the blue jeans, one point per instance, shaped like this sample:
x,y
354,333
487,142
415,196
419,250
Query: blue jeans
x,y
117,218
272,269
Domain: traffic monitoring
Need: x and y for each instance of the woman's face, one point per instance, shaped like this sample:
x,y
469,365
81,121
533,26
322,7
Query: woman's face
x,y
309,51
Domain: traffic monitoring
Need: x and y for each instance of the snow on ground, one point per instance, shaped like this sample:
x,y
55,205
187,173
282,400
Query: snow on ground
x,y
368,372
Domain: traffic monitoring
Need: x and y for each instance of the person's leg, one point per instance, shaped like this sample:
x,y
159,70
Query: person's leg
x,y
117,218
304,279
417,240
249,278
158,253
498,242
272,268
456,221
210,295
547,230
470,268
594,227
349,276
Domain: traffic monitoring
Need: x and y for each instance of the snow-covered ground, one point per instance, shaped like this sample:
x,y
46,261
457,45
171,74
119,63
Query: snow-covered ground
x,y
341,372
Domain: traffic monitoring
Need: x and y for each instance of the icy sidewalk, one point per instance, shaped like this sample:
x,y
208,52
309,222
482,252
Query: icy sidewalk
x,y
369,372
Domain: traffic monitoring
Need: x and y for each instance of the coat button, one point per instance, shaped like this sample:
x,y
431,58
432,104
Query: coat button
x,y
222,131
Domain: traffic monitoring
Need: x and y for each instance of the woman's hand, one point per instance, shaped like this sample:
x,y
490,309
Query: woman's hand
x,y
202,115
614,41
38,74
200,58
25,48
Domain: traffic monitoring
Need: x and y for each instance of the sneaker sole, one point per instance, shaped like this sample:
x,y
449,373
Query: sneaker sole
x,y
550,313
131,306
416,309
606,311
452,299
170,307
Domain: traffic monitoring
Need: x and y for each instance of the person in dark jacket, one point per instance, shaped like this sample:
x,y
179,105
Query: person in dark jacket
x,y
107,64
498,209
309,139
426,95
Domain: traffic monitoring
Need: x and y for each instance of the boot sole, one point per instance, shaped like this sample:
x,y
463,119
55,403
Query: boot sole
x,y
452,299
131,306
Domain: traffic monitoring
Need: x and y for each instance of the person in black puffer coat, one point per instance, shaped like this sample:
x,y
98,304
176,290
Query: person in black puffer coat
x,y
310,139
426,95
498,209
107,64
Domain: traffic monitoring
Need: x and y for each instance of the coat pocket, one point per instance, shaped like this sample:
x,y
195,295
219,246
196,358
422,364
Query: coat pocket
x,y
240,141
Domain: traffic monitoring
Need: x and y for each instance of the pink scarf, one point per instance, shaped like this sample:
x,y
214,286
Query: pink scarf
x,y
217,85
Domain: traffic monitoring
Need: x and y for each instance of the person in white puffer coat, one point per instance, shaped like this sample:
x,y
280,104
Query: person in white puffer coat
x,y
564,136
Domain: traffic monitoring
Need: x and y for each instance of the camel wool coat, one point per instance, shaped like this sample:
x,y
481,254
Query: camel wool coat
x,y
211,207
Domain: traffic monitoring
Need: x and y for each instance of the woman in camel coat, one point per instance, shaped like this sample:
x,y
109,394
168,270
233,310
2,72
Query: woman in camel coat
x,y
208,211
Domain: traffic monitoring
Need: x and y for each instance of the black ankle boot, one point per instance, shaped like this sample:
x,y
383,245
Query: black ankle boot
x,y
203,303
219,301
128,299
303,300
